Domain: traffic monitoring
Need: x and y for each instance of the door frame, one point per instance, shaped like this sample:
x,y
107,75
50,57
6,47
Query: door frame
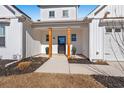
x,y
64,45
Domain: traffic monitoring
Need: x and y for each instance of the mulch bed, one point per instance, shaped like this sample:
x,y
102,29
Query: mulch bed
x,y
79,61
5,61
85,61
110,81
36,62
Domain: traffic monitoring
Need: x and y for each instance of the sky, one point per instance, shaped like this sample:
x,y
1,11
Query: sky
x,y
34,12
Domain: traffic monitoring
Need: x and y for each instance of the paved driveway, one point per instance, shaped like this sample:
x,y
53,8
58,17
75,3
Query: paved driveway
x,y
59,64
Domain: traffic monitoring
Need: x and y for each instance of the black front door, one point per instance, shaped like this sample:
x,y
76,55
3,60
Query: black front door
x,y
61,44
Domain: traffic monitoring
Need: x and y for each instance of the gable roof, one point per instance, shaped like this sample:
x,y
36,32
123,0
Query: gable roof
x,y
20,11
97,10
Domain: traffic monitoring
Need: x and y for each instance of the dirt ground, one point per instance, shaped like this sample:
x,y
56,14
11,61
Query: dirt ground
x,y
46,80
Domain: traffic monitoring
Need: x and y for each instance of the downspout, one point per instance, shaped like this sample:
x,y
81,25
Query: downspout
x,y
76,12
23,20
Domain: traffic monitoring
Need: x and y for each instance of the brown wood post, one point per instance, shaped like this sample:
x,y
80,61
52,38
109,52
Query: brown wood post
x,y
50,41
68,41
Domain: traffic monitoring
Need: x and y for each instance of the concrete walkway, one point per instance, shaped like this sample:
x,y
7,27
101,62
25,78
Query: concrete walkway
x,y
91,69
56,64
59,64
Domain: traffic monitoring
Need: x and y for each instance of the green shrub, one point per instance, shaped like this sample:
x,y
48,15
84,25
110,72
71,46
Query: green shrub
x,y
74,50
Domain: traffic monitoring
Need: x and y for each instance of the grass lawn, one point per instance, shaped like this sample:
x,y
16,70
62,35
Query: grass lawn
x,y
46,80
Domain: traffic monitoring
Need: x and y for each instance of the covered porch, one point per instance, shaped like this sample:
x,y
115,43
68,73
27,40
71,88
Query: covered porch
x,y
60,37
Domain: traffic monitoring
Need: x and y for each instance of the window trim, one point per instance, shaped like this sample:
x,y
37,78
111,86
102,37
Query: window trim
x,y
75,39
4,37
117,31
63,14
53,14
108,31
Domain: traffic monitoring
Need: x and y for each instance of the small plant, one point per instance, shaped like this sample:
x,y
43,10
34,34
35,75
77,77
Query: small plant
x,y
47,50
74,50
23,65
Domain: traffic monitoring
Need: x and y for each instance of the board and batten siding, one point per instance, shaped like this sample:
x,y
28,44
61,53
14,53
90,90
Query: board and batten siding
x,y
13,40
96,41
99,44
13,35
72,11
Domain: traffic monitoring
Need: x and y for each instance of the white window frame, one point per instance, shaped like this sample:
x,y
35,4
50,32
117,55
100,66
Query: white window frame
x,y
73,39
51,16
3,27
65,13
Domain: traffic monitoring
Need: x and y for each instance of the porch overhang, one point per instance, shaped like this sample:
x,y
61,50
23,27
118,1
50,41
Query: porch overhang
x,y
119,22
57,24
54,25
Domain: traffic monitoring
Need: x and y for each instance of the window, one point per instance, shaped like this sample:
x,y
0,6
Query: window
x,y
65,13
47,37
73,37
2,36
117,30
51,14
108,30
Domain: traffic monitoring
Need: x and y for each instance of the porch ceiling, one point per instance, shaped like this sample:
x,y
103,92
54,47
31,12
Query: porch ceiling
x,y
58,24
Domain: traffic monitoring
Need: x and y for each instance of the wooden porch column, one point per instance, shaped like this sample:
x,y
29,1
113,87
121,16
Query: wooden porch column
x,y
68,41
50,41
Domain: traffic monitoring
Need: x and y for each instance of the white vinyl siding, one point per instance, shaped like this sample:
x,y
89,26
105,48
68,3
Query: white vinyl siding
x,y
72,13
